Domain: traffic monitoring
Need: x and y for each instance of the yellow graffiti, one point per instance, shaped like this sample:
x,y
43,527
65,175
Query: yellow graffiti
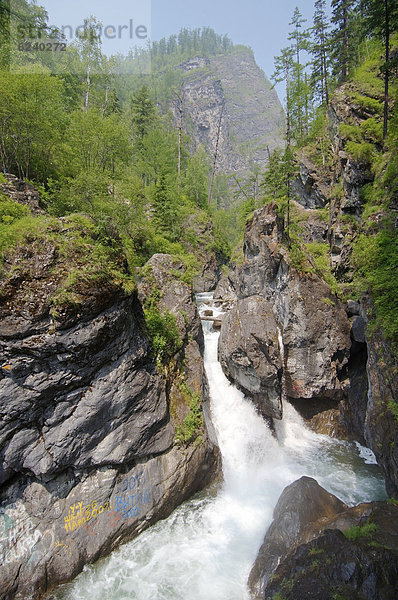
x,y
79,516
62,545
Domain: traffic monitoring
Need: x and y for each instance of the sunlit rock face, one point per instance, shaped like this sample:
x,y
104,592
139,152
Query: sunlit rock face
x,y
228,97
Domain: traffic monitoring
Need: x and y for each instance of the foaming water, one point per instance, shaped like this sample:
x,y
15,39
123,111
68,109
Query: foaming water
x,y
205,549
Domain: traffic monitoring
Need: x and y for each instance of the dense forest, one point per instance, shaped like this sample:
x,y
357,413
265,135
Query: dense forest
x,y
107,155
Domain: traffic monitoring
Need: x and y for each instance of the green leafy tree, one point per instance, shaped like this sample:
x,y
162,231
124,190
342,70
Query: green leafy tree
x,y
196,178
96,143
32,123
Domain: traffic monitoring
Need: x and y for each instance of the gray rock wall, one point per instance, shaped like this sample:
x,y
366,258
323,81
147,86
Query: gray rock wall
x,y
252,117
88,453
310,321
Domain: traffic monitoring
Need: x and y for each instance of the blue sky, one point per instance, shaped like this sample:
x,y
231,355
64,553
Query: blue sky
x,y
261,24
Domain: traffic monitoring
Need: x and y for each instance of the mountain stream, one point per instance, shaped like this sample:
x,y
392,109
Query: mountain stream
x,y
205,549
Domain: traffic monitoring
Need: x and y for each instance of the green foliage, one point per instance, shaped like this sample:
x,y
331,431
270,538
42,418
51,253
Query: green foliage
x,y
163,333
31,121
376,261
367,103
392,406
321,258
362,152
193,422
15,231
298,258
360,532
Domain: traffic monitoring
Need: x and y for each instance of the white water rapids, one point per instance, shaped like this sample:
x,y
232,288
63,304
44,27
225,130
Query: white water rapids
x,y
205,549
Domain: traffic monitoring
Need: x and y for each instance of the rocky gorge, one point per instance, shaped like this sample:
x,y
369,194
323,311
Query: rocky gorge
x,y
160,396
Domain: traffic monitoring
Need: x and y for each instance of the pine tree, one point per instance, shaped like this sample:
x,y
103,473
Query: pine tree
x,y
381,19
300,39
343,39
319,51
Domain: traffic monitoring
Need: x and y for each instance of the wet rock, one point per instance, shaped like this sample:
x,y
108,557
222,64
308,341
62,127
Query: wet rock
x,y
335,567
358,329
302,504
329,422
380,427
250,355
306,555
88,452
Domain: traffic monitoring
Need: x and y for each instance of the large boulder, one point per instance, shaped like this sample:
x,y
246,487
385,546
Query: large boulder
x,y
250,354
361,565
306,555
302,504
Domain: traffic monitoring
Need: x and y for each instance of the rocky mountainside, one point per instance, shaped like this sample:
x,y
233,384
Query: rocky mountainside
x,y
294,334
230,97
102,433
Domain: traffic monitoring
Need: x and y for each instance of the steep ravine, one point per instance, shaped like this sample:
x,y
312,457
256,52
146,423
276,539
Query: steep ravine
x,y
206,548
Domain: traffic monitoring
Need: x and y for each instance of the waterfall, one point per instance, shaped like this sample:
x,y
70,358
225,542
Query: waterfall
x,y
205,549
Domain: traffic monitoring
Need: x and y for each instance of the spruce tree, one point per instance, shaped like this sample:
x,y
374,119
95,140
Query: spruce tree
x,y
381,19
343,39
319,51
142,112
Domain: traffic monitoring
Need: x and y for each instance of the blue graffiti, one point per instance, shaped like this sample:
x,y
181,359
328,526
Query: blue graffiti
x,y
134,481
129,505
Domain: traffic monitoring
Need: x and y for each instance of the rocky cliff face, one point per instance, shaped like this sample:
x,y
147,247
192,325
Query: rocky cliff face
x,y
297,330
231,92
337,372
89,456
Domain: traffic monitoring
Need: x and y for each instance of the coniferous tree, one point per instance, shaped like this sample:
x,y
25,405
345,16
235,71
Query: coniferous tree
x,y
343,39
319,51
299,91
381,19
283,72
142,112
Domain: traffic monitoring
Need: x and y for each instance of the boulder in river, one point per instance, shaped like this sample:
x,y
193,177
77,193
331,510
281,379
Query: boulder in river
x,y
250,355
318,548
